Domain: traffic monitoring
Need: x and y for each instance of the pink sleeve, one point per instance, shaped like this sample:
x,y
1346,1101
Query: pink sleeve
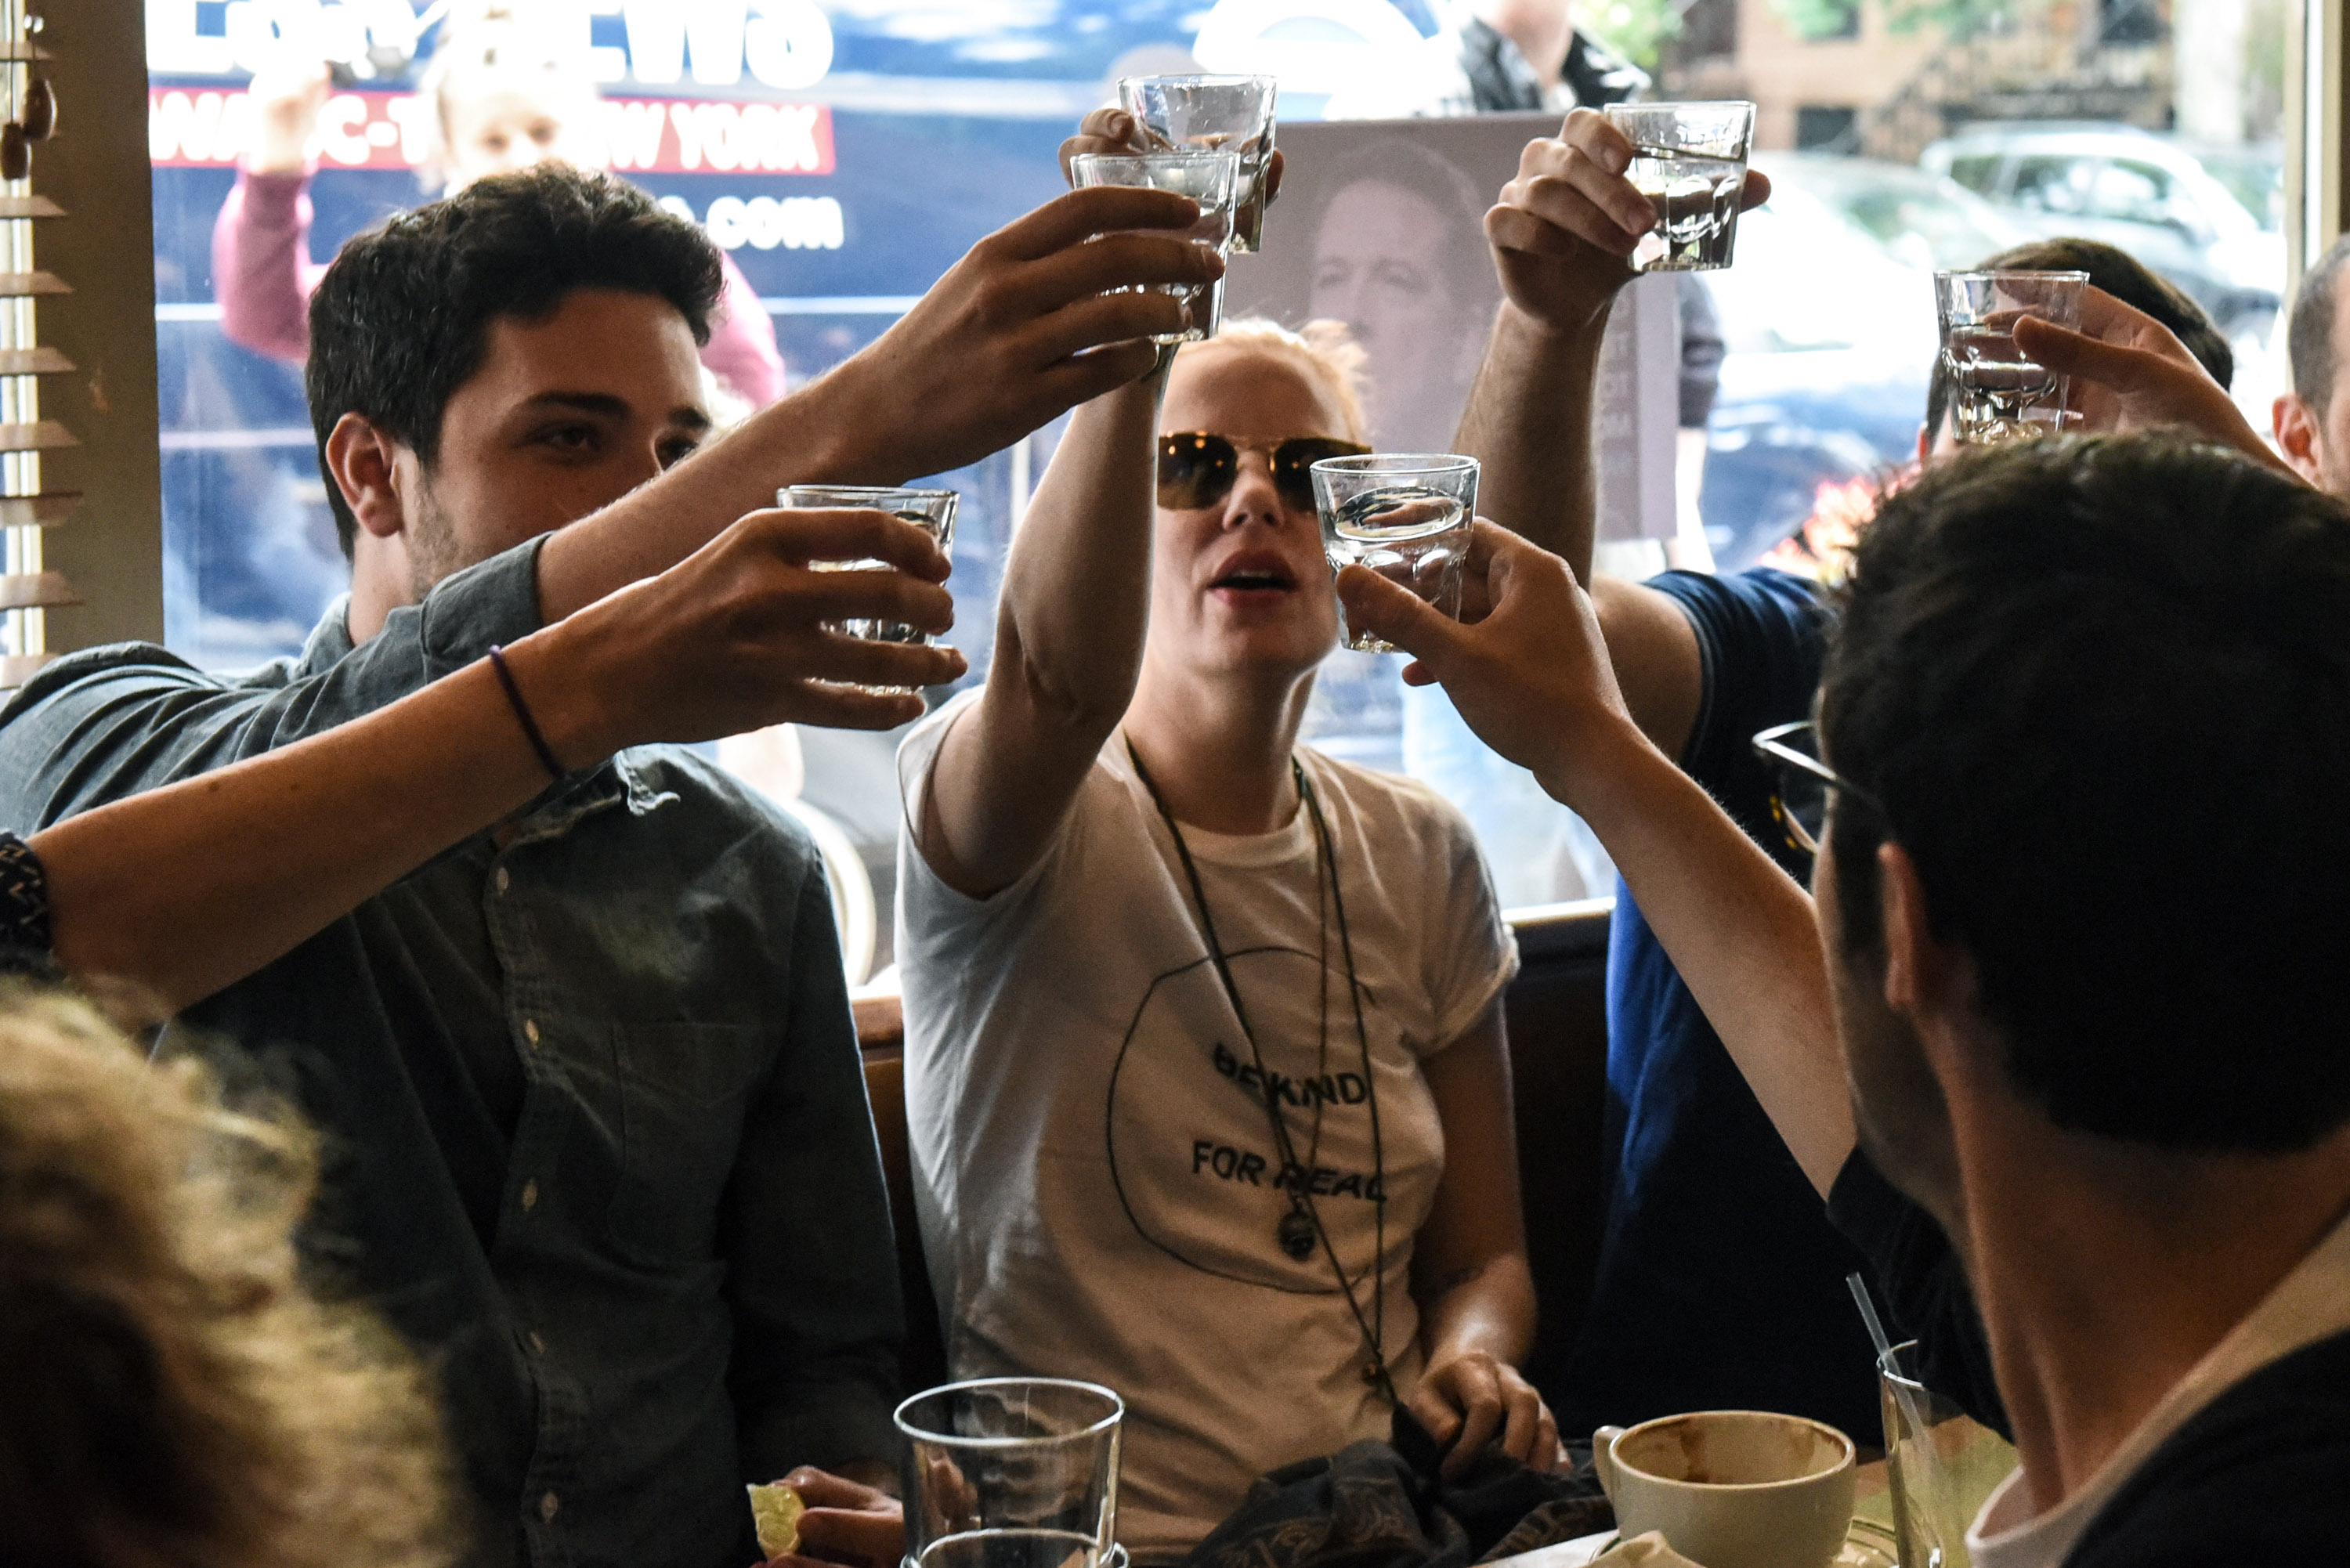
x,y
262,271
741,350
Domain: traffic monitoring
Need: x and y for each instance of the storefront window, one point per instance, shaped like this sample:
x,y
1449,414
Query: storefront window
x,y
845,154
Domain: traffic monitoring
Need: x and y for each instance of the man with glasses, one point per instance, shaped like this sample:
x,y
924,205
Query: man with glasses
x,y
2062,1037
1720,1282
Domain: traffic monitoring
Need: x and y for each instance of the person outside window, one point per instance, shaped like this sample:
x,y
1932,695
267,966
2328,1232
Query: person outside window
x,y
499,100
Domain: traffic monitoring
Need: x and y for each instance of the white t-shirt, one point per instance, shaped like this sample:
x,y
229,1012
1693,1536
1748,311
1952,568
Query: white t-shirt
x,y
1094,1161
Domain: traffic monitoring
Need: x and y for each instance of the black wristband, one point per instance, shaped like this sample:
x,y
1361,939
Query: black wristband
x,y
521,714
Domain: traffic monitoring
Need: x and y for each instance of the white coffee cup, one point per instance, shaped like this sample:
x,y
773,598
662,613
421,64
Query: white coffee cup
x,y
1731,1488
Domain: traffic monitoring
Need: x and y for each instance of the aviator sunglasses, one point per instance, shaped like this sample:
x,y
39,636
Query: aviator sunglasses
x,y
1197,469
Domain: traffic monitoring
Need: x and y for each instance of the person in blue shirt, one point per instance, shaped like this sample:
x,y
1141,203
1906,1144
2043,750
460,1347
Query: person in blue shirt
x,y
1721,1277
599,1140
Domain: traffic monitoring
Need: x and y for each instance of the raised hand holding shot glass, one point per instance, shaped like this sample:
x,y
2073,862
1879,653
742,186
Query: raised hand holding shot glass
x,y
1212,114
1209,179
932,511
1690,159
1998,392
1405,516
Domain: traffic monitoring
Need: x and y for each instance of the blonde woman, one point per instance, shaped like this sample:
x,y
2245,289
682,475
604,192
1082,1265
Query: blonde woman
x,y
1205,1067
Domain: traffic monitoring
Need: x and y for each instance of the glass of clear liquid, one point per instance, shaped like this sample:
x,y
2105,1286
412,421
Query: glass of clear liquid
x,y
1209,179
1690,159
1998,393
1012,1472
1212,114
1407,516
932,511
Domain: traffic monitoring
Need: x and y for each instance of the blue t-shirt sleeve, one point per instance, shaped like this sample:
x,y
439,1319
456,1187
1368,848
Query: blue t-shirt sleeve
x,y
1761,637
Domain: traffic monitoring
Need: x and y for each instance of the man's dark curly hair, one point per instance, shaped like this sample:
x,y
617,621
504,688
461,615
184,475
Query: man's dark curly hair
x,y
2099,692
401,318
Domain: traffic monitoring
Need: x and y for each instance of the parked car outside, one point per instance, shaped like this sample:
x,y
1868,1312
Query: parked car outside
x,y
1828,313
2148,194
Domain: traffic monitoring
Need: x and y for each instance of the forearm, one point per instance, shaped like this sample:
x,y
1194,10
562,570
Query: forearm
x,y
1740,933
1528,422
188,887
1486,1307
260,265
1076,590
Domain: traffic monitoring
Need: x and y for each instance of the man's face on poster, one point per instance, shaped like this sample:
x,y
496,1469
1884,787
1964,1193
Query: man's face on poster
x,y
1378,266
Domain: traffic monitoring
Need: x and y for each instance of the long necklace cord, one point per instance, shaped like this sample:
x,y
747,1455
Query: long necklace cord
x,y
1373,1327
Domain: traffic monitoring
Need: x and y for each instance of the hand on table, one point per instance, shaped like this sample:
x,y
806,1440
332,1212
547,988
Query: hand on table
x,y
1530,674
1115,130
846,1522
1473,1399
2131,373
1563,228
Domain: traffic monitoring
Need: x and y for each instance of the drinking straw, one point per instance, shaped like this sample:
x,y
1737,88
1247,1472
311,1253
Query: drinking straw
x,y
1885,1356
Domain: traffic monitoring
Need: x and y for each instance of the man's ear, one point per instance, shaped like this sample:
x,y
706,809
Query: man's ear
x,y
362,459
2297,434
1921,971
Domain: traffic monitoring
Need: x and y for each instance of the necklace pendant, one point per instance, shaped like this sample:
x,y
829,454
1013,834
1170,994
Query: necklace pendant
x,y
1296,1234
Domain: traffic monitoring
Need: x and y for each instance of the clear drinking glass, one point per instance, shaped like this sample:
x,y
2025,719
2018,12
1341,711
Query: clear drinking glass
x,y
1406,516
1689,159
1998,393
1012,1472
1943,1466
1212,114
932,511
1207,178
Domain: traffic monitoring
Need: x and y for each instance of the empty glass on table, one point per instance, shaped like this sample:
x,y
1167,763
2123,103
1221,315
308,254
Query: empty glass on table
x,y
1943,1466
1212,114
1012,1472
932,511
1690,159
1407,516
1998,392
1209,179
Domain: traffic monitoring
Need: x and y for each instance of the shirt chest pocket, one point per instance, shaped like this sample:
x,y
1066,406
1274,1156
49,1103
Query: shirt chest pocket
x,y
683,1092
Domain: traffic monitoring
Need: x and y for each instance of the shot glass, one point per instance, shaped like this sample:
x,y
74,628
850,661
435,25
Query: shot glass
x,y
1012,1472
1209,179
1943,1466
1212,114
1690,159
1998,393
1406,516
932,511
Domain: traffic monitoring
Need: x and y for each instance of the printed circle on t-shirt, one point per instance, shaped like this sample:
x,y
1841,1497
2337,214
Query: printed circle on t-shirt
x,y
1193,1153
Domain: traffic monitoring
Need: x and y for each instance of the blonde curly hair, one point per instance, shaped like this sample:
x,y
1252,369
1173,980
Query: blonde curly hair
x,y
174,1397
1325,352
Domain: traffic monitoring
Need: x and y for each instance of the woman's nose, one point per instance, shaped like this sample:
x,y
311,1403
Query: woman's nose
x,y
1253,493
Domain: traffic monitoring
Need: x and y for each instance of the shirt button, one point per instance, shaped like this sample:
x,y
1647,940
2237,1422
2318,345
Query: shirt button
x,y
547,1506
530,1200
503,879
530,1029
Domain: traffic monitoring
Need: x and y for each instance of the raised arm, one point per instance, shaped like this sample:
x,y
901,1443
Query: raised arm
x,y
1015,333
1069,648
1531,680
262,270
189,887
1559,234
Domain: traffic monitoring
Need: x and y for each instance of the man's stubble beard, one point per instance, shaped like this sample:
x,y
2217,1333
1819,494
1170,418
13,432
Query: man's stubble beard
x,y
433,552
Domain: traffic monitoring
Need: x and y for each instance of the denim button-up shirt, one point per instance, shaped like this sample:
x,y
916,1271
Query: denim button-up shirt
x,y
598,1141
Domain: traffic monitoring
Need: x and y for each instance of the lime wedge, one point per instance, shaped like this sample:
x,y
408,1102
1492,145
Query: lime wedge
x,y
775,1511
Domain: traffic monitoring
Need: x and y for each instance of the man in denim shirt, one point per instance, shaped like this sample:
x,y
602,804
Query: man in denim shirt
x,y
596,1130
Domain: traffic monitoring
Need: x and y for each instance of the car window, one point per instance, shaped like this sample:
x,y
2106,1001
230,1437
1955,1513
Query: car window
x,y
1976,171
2051,182
2132,193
